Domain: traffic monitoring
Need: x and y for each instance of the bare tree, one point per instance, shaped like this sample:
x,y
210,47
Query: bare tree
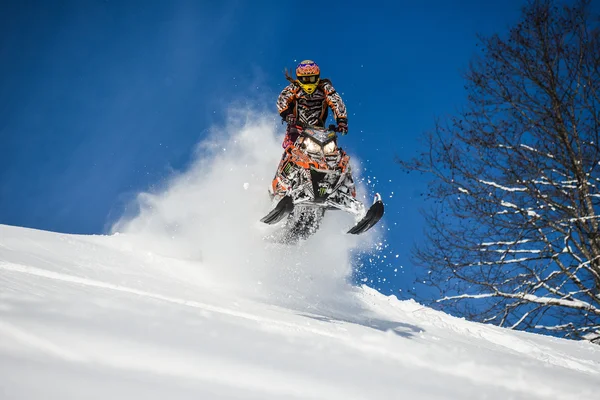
x,y
513,236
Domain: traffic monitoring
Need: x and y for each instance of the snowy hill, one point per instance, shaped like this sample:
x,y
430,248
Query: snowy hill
x,y
185,300
96,317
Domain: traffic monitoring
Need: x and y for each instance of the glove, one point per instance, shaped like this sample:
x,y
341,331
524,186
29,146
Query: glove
x,y
342,127
287,142
291,119
291,134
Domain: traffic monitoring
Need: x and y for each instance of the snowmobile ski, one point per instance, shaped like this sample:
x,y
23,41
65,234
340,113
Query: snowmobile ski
x,y
282,209
371,218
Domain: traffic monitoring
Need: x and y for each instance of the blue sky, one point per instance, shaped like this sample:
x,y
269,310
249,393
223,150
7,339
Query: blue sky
x,y
102,99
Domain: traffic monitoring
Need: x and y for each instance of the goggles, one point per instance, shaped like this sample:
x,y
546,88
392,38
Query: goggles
x,y
308,79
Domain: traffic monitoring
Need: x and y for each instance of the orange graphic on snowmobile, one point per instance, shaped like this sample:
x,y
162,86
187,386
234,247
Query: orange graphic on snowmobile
x,y
314,175
294,155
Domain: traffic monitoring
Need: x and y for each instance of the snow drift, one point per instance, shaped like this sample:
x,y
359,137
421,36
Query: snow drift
x,y
186,301
96,317
210,213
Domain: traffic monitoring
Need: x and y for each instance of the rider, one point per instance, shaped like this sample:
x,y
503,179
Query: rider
x,y
307,100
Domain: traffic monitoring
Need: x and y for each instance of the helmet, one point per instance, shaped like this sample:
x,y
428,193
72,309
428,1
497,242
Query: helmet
x,y
307,74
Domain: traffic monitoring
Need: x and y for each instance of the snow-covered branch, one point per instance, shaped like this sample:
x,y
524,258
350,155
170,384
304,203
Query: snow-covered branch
x,y
544,300
505,188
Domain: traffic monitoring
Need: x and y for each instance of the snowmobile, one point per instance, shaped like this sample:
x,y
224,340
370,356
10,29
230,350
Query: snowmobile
x,y
314,176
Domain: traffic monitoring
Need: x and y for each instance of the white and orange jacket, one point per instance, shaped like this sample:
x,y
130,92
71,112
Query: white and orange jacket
x,y
312,109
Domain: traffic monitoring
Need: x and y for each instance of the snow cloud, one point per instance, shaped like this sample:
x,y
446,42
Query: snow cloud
x,y
210,214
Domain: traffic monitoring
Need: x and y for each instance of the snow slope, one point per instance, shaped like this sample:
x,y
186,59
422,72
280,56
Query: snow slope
x,y
186,301
95,318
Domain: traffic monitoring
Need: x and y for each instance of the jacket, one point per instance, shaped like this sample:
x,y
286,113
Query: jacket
x,y
312,109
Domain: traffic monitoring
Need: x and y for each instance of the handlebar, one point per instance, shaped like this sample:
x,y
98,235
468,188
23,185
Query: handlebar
x,y
331,127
